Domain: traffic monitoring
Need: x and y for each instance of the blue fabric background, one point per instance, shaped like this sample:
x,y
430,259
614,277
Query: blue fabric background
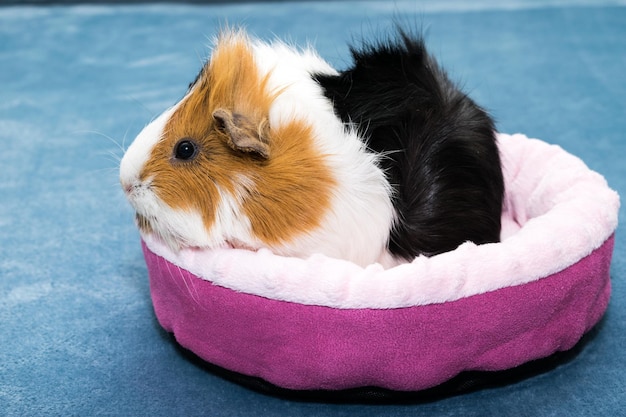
x,y
77,83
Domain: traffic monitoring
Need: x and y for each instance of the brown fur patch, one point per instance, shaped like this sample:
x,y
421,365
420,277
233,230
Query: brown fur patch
x,y
283,195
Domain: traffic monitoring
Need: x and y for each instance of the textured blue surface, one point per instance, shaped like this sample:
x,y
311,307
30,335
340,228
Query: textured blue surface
x,y
77,331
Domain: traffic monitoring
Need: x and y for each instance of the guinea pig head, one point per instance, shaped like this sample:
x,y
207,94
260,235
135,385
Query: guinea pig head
x,y
213,171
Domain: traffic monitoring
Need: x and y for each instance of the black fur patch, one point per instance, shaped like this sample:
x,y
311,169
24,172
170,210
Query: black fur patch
x,y
440,153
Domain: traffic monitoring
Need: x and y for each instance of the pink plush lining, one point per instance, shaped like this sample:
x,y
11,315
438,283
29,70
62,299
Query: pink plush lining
x,y
557,212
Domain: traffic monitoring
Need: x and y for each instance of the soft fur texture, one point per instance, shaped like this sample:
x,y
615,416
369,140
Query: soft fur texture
x,y
272,148
314,190
440,152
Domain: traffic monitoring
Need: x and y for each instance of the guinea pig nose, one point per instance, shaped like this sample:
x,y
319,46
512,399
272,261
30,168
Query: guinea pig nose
x,y
128,188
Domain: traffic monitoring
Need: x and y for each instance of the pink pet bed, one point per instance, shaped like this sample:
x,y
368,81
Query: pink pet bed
x,y
327,324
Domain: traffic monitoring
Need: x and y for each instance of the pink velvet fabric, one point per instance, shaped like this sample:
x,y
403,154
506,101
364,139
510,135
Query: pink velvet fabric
x,y
300,346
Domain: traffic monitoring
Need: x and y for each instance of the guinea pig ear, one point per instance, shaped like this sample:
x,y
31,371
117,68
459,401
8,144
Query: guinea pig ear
x,y
243,135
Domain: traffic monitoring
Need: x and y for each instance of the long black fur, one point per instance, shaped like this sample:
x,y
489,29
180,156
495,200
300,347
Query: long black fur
x,y
439,147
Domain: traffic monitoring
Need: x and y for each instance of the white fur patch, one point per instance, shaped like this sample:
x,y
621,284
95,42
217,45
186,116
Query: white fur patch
x,y
358,224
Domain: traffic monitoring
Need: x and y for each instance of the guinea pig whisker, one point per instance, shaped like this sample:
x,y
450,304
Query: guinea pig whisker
x,y
142,105
124,147
110,171
107,137
179,276
114,157
193,290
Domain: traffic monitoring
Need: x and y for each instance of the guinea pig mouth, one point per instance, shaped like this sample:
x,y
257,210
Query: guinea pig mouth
x,y
148,227
143,201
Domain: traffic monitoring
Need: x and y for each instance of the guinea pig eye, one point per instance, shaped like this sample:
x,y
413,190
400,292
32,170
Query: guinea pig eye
x,y
185,150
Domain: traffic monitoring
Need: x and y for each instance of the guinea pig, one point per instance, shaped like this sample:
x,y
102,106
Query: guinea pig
x,y
271,147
